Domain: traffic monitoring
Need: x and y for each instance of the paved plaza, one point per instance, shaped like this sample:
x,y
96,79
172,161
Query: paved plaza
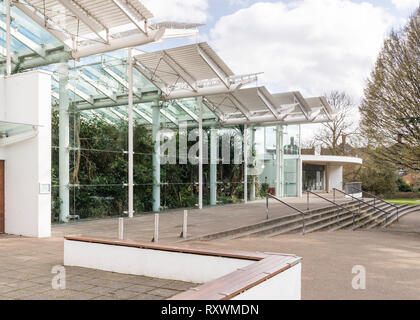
x,y
391,257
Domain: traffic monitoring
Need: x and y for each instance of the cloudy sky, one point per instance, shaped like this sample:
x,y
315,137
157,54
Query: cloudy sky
x,y
314,46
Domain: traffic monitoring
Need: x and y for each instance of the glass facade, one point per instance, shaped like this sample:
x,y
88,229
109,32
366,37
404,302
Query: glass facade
x,y
313,177
288,162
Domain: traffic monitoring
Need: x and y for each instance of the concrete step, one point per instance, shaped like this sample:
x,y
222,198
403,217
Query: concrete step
x,y
321,222
282,222
402,212
351,221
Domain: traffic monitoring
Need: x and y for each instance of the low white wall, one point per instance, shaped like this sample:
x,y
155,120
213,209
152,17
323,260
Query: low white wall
x,y
284,286
27,99
188,267
151,263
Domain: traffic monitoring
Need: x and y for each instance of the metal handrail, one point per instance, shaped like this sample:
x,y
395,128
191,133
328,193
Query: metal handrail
x,y
339,205
374,200
268,195
360,200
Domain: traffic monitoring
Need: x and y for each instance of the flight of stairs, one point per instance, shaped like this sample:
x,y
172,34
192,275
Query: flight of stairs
x,y
352,215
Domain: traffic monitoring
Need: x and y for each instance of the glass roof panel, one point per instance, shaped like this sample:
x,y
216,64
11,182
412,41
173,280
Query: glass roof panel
x,y
8,129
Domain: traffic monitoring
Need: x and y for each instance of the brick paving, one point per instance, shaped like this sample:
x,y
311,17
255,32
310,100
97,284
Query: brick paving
x,y
391,257
26,265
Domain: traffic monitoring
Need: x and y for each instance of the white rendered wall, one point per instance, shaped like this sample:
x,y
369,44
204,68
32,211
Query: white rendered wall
x,y
335,177
284,286
27,99
151,263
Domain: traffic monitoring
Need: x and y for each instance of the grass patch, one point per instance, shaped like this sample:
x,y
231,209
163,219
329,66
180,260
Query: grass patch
x,y
411,202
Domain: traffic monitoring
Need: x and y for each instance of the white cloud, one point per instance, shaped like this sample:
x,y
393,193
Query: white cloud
x,y
406,4
178,10
309,45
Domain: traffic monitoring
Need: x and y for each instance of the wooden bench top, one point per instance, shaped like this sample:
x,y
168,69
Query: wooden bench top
x,y
154,246
234,283
266,266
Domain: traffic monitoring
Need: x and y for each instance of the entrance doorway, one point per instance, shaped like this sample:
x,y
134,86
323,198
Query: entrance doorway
x,y
313,177
1,196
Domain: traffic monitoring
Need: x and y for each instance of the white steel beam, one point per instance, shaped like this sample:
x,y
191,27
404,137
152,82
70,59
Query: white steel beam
x,y
131,14
268,104
101,88
169,116
86,18
120,80
76,91
216,69
24,40
130,136
133,40
118,114
45,24
8,40
245,141
187,110
189,80
200,153
161,85
143,115
216,111
239,105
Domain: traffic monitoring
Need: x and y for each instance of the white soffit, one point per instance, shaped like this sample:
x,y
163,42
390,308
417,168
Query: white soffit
x,y
88,27
193,67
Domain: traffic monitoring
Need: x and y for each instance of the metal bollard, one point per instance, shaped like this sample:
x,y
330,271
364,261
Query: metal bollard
x,y
266,207
156,236
185,224
121,228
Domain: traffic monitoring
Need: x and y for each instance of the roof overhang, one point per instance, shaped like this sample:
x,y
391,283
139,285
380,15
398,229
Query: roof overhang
x,y
333,160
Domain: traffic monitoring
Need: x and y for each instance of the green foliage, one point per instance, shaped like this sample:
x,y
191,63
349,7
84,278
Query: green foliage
x,y
264,189
390,112
377,176
99,172
403,186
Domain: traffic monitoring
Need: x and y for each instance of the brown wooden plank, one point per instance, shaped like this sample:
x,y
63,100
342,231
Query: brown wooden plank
x,y
238,281
2,213
224,283
145,245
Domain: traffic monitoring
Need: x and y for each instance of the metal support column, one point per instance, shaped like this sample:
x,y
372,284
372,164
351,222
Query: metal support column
x,y
279,161
245,140
8,39
130,136
213,166
156,156
252,191
200,153
64,140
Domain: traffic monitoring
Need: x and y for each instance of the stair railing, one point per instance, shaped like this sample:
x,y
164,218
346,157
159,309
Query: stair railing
x,y
328,200
361,201
381,200
268,195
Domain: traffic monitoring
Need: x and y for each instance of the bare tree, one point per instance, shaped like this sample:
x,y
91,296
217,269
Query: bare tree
x,y
390,111
333,133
